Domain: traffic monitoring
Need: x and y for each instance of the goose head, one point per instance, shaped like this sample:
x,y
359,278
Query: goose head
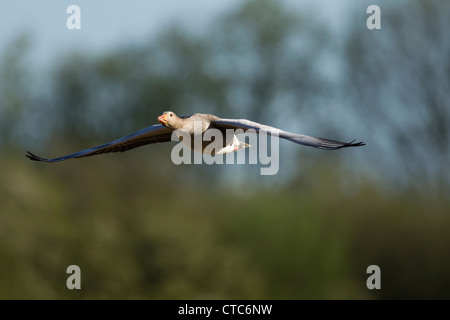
x,y
170,120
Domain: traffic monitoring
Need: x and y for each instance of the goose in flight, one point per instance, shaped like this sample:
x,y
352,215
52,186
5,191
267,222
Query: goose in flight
x,y
195,124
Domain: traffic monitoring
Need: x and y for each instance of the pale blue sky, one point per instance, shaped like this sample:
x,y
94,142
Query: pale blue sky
x,y
107,24
104,24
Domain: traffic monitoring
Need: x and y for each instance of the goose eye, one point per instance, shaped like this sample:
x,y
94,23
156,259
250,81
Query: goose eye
x,y
171,114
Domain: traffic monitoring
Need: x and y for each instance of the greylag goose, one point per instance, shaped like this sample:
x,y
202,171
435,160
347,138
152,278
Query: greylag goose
x,y
193,125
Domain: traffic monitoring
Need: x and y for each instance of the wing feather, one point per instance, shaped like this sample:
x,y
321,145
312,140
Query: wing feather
x,y
320,143
153,134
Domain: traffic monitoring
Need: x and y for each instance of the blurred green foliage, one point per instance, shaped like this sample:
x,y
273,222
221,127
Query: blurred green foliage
x,y
139,233
140,227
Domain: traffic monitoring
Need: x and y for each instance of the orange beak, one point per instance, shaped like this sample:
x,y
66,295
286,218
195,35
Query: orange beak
x,y
163,119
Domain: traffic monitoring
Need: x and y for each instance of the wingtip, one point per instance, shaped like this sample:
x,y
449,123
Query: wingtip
x,y
356,144
353,144
336,145
34,157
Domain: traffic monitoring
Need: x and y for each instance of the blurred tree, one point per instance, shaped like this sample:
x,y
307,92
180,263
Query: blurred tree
x,y
97,97
15,78
267,54
398,80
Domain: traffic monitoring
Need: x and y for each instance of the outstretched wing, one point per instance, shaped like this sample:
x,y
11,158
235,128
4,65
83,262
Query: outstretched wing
x,y
152,134
320,143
